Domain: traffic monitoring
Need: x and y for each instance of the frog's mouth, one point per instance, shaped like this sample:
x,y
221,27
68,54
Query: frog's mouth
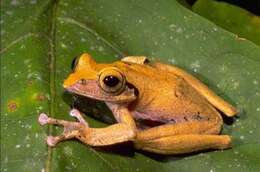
x,y
91,89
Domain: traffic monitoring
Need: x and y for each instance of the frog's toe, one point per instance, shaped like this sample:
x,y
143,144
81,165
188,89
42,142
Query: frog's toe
x,y
43,119
52,140
75,113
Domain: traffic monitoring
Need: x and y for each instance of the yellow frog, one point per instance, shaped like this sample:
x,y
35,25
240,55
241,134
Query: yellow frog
x,y
175,112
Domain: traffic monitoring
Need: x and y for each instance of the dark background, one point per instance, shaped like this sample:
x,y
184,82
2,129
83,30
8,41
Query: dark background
x,y
250,5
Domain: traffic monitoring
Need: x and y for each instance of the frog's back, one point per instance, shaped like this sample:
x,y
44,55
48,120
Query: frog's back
x,y
166,97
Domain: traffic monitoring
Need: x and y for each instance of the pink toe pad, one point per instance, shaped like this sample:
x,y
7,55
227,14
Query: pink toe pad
x,y
43,119
51,141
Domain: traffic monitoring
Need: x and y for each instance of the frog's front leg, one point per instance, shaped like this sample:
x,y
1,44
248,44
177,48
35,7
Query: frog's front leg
x,y
182,138
113,134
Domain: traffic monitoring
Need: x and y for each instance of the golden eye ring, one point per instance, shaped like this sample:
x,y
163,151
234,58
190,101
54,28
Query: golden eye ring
x,y
111,80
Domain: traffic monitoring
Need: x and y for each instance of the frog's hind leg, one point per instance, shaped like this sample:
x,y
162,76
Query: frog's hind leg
x,y
182,138
184,143
71,129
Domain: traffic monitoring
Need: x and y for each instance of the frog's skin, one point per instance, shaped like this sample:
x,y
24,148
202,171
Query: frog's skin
x,y
158,93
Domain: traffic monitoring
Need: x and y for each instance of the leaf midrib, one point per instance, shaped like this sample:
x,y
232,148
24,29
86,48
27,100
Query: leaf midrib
x,y
52,59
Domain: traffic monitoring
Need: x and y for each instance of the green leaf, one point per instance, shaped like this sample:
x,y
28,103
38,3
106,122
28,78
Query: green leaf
x,y
231,18
39,41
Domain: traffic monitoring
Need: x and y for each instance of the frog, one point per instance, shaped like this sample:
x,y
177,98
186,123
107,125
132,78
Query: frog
x,y
159,108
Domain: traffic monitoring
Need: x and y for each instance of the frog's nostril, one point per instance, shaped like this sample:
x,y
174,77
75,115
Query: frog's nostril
x,y
82,81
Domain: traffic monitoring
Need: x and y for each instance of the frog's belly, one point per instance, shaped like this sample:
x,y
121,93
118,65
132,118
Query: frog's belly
x,y
155,117
173,116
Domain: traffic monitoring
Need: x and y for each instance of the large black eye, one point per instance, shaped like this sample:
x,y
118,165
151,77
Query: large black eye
x,y
111,80
74,63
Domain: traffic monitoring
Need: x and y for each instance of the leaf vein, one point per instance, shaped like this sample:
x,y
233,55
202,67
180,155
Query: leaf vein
x,y
87,28
19,39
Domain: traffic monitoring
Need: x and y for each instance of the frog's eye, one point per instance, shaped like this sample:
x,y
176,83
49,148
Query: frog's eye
x,y
74,63
111,80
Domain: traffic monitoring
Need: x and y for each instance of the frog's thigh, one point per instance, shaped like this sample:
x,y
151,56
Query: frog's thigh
x,y
180,144
192,127
182,138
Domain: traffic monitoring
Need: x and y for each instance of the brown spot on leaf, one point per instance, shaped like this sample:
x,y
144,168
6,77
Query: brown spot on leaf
x,y
40,97
12,106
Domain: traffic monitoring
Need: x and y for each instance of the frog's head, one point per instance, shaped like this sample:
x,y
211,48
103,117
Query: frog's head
x,y
98,81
